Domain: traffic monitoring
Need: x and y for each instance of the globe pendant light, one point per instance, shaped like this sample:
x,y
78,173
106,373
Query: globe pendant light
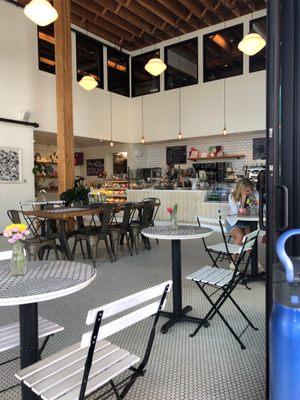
x,y
251,44
88,82
155,66
41,12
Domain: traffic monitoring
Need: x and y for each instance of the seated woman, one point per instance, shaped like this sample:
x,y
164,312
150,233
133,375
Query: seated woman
x,y
238,203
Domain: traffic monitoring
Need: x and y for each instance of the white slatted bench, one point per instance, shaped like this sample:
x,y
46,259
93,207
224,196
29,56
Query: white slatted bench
x,y
86,366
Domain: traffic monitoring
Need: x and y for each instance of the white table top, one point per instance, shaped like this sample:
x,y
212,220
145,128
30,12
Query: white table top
x,y
184,232
249,218
44,280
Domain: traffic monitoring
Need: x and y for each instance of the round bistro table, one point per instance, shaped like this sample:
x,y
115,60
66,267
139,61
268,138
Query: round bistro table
x,y
183,232
44,280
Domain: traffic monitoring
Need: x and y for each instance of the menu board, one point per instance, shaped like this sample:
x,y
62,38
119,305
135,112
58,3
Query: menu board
x,y
94,167
176,155
259,148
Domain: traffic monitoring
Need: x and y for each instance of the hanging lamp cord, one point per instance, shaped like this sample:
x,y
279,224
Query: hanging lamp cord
x,y
111,130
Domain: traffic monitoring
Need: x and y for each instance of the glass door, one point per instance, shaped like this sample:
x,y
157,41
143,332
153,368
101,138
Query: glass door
x,y
283,130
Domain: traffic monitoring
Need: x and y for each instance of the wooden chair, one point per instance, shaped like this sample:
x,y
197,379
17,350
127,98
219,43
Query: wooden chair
x,y
225,280
94,363
10,333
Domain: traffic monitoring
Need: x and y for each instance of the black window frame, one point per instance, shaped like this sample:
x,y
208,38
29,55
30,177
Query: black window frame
x,y
101,64
261,52
109,48
132,58
49,69
166,61
205,80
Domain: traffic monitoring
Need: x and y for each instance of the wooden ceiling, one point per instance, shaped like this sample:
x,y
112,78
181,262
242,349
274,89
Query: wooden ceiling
x,y
133,24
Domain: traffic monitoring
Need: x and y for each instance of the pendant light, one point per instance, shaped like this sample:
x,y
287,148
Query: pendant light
x,y
252,43
179,100
155,66
143,138
111,121
224,114
41,12
179,114
87,82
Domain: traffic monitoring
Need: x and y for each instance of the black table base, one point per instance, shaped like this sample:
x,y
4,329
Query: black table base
x,y
175,319
179,314
29,345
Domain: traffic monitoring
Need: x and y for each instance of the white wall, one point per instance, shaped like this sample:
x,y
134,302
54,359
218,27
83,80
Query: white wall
x,y
23,86
19,137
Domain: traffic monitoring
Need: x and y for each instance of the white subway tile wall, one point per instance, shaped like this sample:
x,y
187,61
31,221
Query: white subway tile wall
x,y
154,154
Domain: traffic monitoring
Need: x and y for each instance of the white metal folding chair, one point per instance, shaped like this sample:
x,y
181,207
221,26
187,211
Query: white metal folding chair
x,y
95,363
225,280
217,251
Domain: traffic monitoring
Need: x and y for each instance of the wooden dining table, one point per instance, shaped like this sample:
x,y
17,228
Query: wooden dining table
x,y
65,216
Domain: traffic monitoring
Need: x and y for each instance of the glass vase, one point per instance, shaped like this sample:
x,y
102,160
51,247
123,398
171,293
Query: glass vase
x,y
18,259
174,222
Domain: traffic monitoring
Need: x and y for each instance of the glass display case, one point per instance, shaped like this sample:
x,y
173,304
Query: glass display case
x,y
219,194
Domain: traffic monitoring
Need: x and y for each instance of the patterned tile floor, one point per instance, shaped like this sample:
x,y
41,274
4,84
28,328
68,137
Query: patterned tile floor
x,y
210,366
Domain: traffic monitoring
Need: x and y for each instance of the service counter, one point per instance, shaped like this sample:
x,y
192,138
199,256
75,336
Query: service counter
x,y
190,203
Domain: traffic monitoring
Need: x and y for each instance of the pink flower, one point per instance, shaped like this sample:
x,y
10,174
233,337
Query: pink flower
x,y
7,233
18,236
170,210
12,240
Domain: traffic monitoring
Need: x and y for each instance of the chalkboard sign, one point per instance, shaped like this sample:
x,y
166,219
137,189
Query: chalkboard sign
x,y
94,167
176,155
259,149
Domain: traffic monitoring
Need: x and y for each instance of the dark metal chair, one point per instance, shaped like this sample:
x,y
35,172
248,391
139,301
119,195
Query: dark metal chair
x,y
119,230
145,213
96,233
36,245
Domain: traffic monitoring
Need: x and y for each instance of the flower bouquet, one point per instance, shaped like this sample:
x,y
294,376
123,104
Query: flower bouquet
x,y
173,216
16,234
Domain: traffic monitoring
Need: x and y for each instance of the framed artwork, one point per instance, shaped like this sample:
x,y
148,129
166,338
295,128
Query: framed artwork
x,y
10,165
94,167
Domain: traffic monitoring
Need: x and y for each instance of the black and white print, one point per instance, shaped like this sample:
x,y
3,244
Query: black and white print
x,y
10,165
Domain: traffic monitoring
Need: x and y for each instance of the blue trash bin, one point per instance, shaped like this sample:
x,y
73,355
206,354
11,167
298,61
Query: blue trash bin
x,y
285,325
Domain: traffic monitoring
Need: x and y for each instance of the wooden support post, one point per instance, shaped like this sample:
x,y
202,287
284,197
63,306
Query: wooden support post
x,y
64,103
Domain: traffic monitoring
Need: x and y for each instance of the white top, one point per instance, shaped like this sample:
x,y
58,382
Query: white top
x,y
183,232
233,210
44,280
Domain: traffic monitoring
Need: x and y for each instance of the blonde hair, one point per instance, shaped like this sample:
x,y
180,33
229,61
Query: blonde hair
x,y
241,185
